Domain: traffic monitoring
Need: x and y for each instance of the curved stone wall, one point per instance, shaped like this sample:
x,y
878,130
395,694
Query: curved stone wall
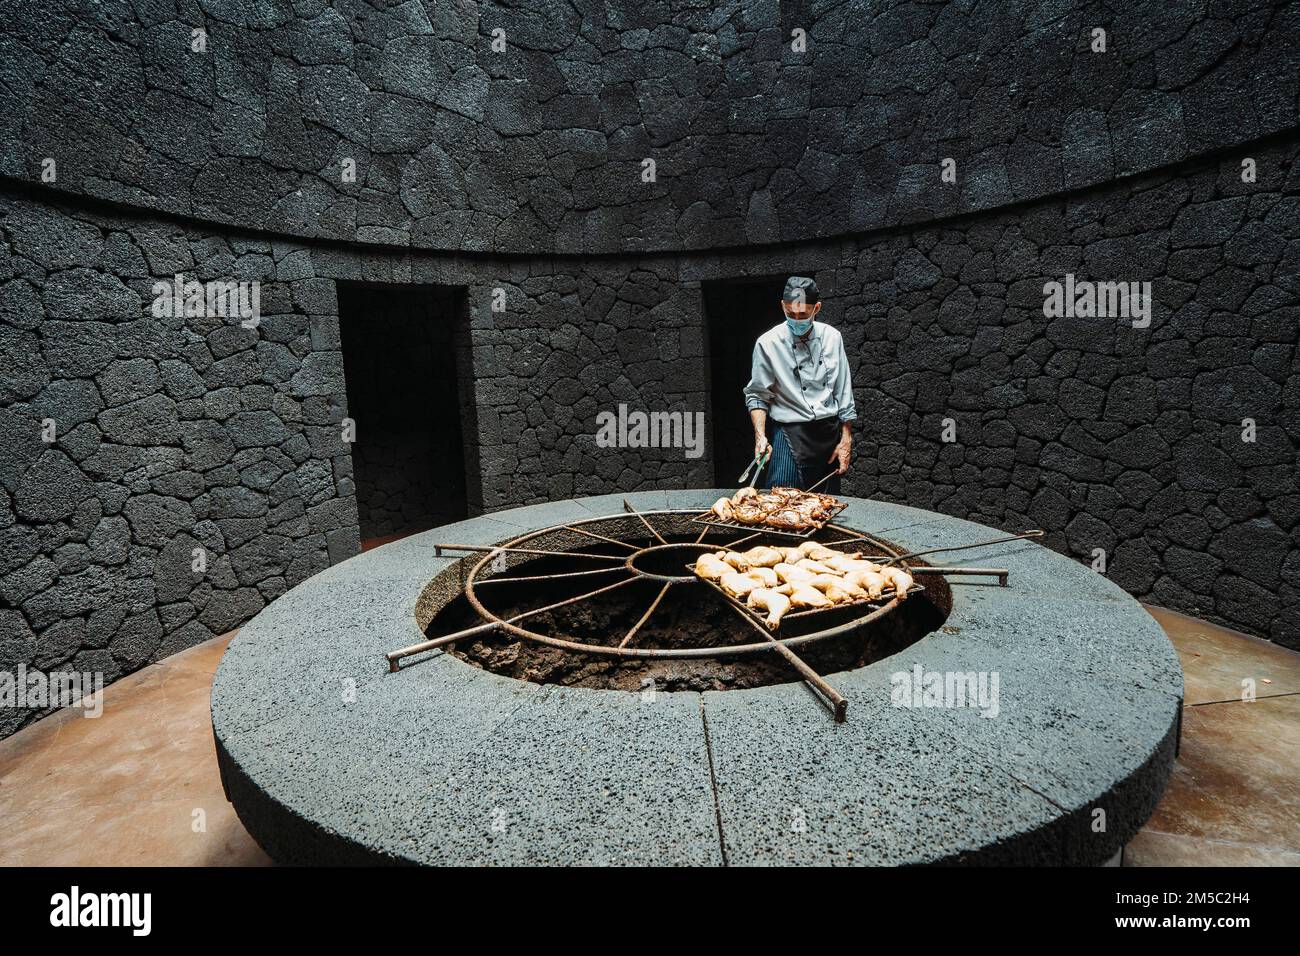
x,y
172,434
533,139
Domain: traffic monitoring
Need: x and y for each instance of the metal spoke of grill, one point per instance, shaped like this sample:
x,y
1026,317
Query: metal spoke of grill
x,y
437,642
494,550
648,611
551,577
599,537
837,701
627,506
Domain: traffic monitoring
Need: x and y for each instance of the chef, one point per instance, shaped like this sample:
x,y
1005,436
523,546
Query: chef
x,y
800,380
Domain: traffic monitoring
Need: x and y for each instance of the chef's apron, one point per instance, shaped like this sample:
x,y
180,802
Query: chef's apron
x,y
799,455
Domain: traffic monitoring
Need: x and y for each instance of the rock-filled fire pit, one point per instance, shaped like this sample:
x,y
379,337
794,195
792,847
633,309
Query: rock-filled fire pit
x,y
1030,723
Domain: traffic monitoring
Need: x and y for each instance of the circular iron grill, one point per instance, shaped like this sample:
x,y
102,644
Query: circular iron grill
x,y
627,564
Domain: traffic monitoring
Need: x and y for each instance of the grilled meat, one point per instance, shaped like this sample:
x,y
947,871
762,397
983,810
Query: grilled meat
x,y
900,579
805,595
791,574
711,568
738,585
773,602
764,557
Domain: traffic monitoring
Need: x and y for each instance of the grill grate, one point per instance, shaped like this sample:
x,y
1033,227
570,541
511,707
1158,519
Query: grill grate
x,y
487,572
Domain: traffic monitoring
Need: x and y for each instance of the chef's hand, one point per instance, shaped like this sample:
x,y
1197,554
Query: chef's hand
x,y
842,453
761,445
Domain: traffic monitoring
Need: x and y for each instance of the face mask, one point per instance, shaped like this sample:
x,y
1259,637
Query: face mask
x,y
798,326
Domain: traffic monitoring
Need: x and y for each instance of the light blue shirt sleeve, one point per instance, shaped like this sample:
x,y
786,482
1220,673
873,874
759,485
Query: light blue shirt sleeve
x,y
758,393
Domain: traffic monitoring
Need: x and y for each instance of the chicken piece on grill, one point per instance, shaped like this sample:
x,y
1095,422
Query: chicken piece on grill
x,y
843,564
837,594
789,520
805,595
773,602
763,557
810,508
711,568
738,585
900,579
735,559
749,513
869,581
860,565
828,583
722,508
743,493
816,567
766,576
792,555
791,574
818,552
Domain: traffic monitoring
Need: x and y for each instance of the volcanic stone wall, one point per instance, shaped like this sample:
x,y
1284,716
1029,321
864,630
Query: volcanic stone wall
x,y
177,434
1173,449
526,127
133,444
163,477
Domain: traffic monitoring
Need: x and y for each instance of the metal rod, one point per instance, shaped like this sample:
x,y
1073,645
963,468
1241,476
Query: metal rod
x,y
837,701
731,545
826,477
892,559
648,611
627,506
395,656
1000,573
600,537
710,525
439,548
967,547
549,577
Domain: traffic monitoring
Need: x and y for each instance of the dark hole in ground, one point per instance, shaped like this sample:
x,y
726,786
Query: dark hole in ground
x,y
400,348
690,615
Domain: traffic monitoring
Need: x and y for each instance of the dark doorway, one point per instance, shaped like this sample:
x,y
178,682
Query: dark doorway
x,y
401,345
737,311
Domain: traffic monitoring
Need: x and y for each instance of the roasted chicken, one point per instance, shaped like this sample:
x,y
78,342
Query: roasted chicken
x,y
778,579
773,602
788,509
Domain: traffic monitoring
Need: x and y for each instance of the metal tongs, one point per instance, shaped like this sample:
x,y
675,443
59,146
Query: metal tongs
x,y
761,462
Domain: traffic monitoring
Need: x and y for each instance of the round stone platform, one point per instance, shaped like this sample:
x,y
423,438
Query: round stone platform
x,y
329,758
